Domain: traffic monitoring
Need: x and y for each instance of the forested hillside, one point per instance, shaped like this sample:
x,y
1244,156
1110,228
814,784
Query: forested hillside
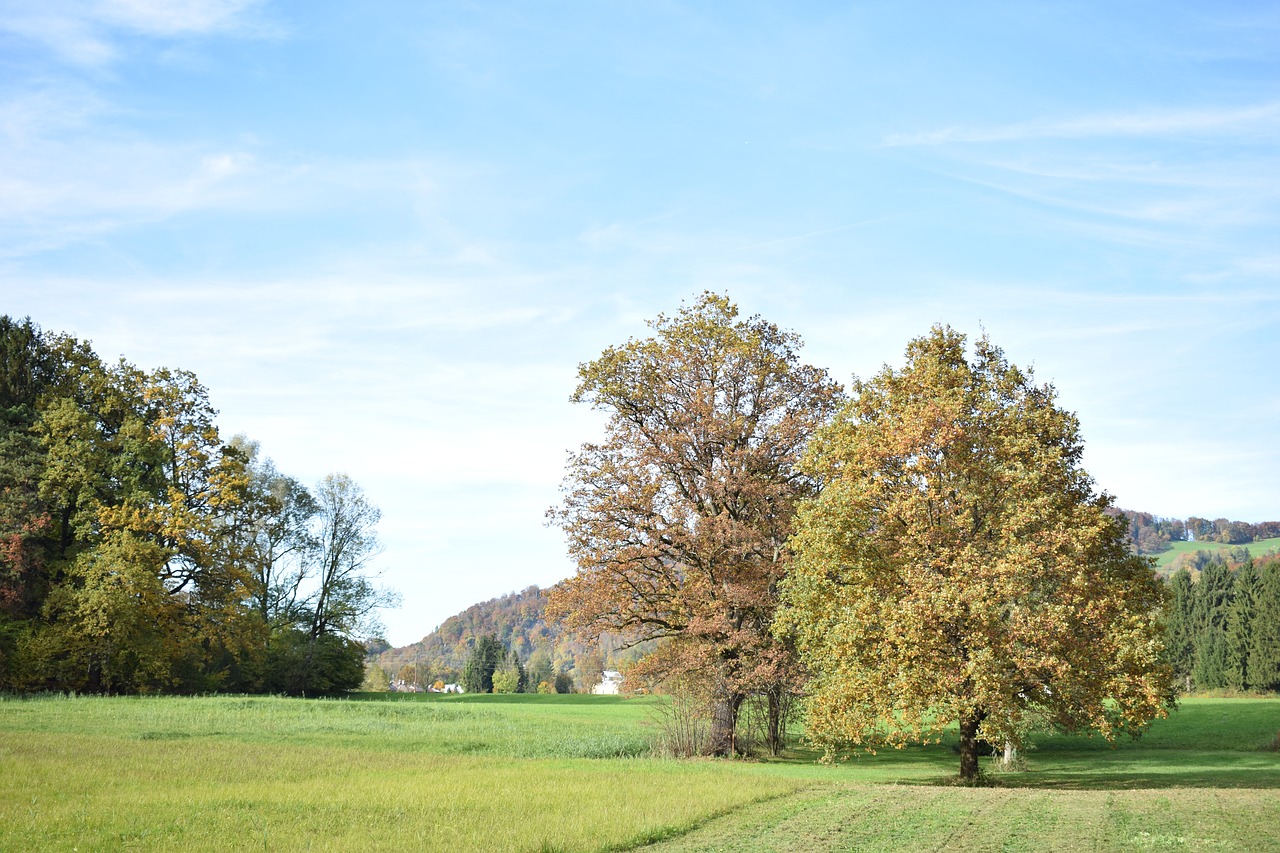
x,y
519,623
1152,535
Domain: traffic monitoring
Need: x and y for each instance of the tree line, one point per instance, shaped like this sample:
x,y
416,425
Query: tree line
x,y
1151,534
140,552
494,668
1224,624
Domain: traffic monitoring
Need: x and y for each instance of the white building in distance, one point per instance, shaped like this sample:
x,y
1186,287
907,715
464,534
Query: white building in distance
x,y
611,685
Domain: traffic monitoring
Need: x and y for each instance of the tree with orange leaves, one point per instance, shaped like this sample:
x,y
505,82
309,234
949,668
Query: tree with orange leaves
x,y
958,567
678,519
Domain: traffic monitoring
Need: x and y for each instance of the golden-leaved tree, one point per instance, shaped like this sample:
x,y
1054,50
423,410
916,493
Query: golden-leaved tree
x,y
959,568
146,594
678,519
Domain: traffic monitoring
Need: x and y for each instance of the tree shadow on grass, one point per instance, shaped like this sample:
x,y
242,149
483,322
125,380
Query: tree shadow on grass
x,y
1155,769
1141,781
1088,769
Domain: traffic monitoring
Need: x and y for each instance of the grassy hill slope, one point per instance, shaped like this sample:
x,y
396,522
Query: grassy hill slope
x,y
1176,549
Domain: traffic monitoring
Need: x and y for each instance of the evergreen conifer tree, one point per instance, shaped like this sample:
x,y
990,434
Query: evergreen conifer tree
x,y
522,677
1180,629
1240,616
1263,663
477,675
1212,600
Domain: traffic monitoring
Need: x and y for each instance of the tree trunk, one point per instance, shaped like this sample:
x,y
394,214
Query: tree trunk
x,y
969,747
723,740
775,720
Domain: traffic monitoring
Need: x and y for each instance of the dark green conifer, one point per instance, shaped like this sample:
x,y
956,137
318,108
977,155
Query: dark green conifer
x,y
1240,616
477,675
1264,640
1180,629
1212,599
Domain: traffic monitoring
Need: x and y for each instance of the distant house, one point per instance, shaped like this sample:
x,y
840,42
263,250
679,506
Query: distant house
x,y
610,685
453,688
399,685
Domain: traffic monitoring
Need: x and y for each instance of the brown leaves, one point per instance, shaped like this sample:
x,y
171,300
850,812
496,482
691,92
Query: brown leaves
x,y
678,520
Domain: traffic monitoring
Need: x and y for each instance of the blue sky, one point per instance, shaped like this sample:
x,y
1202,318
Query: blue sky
x,y
385,234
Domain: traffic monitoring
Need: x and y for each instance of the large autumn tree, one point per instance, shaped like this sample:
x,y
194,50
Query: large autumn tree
x,y
678,519
959,568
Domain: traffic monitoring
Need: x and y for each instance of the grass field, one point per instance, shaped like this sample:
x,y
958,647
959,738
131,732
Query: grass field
x,y
572,773
1256,549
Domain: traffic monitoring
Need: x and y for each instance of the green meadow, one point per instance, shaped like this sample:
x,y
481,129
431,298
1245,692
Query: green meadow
x,y
575,773
1176,549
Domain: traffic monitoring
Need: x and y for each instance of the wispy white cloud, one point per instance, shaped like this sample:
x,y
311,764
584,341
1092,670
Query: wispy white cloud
x,y
86,33
55,192
71,168
1202,181
41,111
174,17
1217,204
1261,120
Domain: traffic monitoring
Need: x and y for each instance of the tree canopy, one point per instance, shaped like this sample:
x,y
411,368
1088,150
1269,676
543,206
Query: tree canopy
x,y
141,552
959,568
678,519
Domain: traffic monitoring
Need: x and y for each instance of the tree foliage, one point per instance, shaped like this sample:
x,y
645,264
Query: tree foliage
x,y
345,597
958,568
510,676
1180,629
1264,636
140,552
477,675
518,621
1223,625
678,519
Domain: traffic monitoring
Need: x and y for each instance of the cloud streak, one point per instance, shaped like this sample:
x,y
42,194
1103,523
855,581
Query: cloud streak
x,y
87,34
1261,120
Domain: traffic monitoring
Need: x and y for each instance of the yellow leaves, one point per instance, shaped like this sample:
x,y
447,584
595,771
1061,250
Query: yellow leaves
x,y
956,563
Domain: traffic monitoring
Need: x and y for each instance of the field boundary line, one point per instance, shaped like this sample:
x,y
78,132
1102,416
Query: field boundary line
x,y
651,839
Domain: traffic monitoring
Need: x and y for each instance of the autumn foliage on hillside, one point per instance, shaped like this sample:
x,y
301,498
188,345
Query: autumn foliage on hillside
x,y
520,624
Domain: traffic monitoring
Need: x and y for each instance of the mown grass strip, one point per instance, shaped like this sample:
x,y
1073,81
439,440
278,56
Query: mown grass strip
x,y
905,818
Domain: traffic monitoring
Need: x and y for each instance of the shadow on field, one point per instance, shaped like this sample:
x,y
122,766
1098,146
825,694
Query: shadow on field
x,y
497,698
1091,771
1138,781
1084,770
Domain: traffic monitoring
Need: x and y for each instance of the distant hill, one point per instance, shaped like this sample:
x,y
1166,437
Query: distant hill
x,y
1183,553
515,619
519,622
1174,541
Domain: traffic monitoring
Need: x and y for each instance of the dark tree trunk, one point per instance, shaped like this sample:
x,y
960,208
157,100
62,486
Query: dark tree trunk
x,y
723,740
969,747
775,720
